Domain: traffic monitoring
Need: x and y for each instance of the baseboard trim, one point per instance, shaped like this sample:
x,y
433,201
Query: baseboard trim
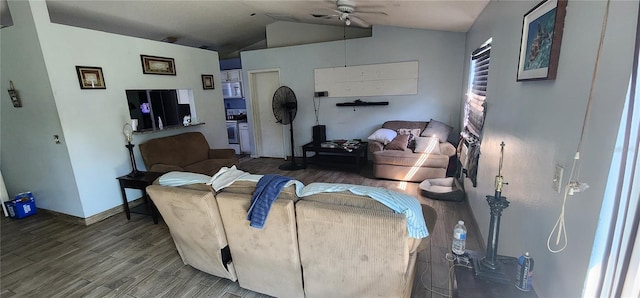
x,y
94,218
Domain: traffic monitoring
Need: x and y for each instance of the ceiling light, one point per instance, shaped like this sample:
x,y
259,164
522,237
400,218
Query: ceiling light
x,y
170,39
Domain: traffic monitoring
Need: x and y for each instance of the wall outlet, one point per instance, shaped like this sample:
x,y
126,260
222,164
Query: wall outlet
x,y
557,178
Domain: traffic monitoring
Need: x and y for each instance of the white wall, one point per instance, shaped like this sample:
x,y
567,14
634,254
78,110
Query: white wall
x,y
441,62
31,161
282,34
91,120
540,122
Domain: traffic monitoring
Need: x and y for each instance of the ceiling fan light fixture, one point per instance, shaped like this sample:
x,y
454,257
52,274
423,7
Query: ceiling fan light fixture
x,y
170,39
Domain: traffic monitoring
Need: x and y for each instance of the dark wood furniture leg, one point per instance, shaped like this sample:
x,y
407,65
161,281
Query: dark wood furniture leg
x,y
125,203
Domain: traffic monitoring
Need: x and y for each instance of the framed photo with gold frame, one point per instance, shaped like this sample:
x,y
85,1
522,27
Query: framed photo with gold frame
x,y
542,29
207,82
90,77
158,65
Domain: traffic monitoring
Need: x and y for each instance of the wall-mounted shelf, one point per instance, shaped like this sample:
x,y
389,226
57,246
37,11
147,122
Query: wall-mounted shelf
x,y
362,103
174,127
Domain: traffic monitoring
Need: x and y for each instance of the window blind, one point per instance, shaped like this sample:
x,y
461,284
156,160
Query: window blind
x,y
475,110
475,106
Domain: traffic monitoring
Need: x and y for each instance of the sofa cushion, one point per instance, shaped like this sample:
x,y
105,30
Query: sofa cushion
x,y
209,166
383,135
447,149
350,252
438,129
347,198
427,145
248,187
410,159
164,168
266,260
407,173
398,124
179,150
196,227
400,142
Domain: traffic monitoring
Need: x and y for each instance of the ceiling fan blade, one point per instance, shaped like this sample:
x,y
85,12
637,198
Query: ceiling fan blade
x,y
323,16
359,22
372,12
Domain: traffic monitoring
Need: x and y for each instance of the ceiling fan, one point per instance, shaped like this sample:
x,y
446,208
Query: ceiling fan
x,y
346,12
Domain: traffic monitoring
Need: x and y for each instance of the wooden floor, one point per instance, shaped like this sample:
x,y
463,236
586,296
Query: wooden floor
x,y
42,256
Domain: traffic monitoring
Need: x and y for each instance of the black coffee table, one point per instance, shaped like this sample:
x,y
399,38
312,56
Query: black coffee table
x,y
356,155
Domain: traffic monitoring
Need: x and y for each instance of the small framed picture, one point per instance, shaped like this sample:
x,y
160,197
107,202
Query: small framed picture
x,y
542,30
90,77
158,65
207,82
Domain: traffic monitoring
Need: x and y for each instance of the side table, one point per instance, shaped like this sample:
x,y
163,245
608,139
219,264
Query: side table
x,y
140,182
466,284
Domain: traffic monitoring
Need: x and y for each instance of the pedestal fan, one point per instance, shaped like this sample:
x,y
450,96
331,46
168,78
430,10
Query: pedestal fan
x,y
285,106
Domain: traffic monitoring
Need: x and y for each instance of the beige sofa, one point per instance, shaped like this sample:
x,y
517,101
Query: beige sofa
x,y
405,165
188,152
346,245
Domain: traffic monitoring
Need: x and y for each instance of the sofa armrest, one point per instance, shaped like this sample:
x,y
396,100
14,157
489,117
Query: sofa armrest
x,y
164,168
375,146
447,149
222,153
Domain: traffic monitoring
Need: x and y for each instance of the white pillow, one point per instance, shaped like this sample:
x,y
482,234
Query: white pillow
x,y
383,135
429,145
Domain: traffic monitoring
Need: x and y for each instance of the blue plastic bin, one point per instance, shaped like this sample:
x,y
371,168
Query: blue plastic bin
x,y
23,205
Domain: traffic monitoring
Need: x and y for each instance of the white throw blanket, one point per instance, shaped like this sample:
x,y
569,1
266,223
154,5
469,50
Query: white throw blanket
x,y
226,176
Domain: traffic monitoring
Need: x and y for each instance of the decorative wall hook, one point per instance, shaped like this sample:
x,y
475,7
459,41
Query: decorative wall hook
x,y
13,93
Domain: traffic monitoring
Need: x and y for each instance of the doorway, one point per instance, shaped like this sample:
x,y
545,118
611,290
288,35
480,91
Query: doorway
x,y
268,135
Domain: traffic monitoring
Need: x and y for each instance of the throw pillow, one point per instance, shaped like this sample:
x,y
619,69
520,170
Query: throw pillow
x,y
383,135
429,145
413,133
398,143
438,129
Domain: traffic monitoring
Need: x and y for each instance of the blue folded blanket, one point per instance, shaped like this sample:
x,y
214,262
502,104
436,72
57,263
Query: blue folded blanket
x,y
267,190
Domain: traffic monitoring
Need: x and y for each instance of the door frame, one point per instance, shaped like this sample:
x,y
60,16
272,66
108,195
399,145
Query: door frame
x,y
255,116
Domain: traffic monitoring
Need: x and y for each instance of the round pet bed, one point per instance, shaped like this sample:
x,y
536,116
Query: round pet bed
x,y
445,189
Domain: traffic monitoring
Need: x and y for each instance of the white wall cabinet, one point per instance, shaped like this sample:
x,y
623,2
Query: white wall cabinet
x,y
232,75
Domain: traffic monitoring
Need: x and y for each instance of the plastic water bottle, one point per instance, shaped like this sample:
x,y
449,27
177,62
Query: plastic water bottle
x,y
459,238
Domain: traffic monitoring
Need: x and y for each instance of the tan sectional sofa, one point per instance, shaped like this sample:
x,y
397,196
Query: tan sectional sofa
x,y
406,165
346,245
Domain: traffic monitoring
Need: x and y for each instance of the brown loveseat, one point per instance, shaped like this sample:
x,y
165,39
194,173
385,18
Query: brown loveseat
x,y
346,245
186,152
407,165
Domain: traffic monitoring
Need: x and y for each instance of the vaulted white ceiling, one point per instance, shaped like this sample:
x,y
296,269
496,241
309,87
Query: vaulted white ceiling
x,y
228,26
